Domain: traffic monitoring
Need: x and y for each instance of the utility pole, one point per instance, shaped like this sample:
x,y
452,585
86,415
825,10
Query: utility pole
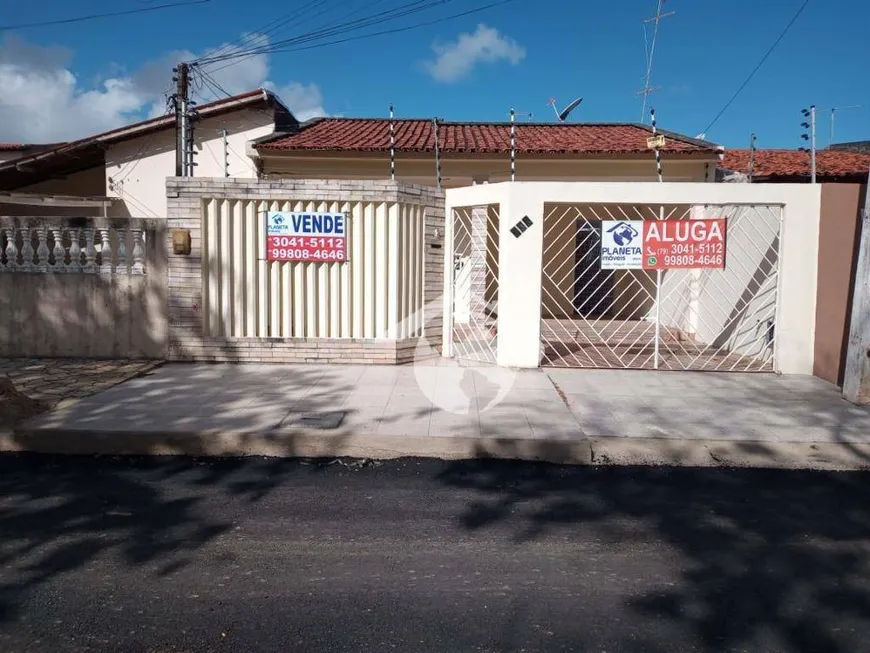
x,y
856,377
182,88
435,123
650,52
751,156
226,153
811,125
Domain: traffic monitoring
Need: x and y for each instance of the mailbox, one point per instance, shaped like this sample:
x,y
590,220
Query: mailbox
x,y
181,241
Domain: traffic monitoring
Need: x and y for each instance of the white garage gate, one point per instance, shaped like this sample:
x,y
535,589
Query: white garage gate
x,y
680,319
525,286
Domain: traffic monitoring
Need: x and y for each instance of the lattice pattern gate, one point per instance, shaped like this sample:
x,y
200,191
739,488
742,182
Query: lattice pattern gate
x,y
475,282
720,319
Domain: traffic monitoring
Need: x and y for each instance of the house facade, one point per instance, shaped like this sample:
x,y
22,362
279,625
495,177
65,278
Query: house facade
x,y
473,153
131,164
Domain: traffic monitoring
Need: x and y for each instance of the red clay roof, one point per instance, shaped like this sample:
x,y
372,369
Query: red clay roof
x,y
12,147
373,135
794,164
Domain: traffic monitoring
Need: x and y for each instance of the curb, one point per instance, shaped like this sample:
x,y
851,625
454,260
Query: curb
x,y
608,451
299,444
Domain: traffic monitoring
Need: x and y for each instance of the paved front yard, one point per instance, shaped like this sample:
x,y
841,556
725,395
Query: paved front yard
x,y
447,400
61,381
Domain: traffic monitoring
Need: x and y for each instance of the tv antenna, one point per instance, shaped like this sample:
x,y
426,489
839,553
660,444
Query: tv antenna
x,y
649,51
563,115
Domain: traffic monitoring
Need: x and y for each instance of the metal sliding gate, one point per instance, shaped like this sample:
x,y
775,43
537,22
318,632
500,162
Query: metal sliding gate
x,y
710,319
475,282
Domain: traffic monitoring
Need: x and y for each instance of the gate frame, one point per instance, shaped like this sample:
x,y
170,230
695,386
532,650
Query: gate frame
x,y
520,287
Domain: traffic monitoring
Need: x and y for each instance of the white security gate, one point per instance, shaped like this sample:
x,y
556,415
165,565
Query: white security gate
x,y
475,283
711,319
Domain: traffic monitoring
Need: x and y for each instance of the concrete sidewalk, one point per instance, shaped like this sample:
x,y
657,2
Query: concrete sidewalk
x,y
449,411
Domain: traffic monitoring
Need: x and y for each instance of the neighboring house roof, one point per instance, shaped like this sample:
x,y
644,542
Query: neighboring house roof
x,y
86,153
854,146
373,135
12,147
794,165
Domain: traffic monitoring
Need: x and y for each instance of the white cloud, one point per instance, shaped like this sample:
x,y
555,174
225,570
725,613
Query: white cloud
x,y
42,99
305,101
456,59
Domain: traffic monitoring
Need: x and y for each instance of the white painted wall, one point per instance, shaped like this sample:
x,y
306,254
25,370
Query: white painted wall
x,y
136,170
519,289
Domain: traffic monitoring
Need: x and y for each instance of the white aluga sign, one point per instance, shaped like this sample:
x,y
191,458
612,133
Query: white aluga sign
x,y
621,244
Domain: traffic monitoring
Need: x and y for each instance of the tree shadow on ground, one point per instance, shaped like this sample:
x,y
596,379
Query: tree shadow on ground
x,y
768,558
62,518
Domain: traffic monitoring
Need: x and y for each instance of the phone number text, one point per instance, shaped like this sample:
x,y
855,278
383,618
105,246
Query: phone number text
x,y
289,254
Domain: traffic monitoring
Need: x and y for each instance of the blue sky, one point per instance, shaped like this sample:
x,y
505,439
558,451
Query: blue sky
x,y
70,80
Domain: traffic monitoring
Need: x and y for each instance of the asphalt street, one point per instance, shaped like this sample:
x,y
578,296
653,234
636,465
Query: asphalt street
x,y
181,555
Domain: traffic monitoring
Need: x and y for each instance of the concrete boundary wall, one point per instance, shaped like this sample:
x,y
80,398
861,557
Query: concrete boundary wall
x,y
187,200
837,258
520,287
77,287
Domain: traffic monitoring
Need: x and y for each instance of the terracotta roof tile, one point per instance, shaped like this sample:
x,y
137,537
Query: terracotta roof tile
x,y
794,164
373,135
12,147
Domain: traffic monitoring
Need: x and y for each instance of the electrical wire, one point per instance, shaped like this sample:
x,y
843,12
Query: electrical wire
x,y
264,31
134,161
79,19
336,30
271,28
395,30
758,66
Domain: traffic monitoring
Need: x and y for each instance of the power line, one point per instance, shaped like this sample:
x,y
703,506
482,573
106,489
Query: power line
x,y
758,66
79,19
251,37
396,30
343,28
298,18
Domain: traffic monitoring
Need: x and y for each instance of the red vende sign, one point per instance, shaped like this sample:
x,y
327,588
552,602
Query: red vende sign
x,y
683,244
306,237
314,249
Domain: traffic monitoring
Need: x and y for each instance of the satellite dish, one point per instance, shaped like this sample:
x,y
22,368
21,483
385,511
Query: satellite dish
x,y
564,113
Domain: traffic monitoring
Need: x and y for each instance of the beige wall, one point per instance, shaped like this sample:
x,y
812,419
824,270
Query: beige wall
x,y
207,207
465,171
87,183
838,238
136,170
86,315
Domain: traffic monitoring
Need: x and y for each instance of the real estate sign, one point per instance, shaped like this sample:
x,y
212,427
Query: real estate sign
x,y
308,237
662,244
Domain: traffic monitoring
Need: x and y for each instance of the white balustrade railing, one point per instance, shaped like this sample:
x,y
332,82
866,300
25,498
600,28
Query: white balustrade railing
x,y
62,248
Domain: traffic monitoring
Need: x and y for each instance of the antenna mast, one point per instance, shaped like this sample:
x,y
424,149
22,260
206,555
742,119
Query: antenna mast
x,y
650,53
